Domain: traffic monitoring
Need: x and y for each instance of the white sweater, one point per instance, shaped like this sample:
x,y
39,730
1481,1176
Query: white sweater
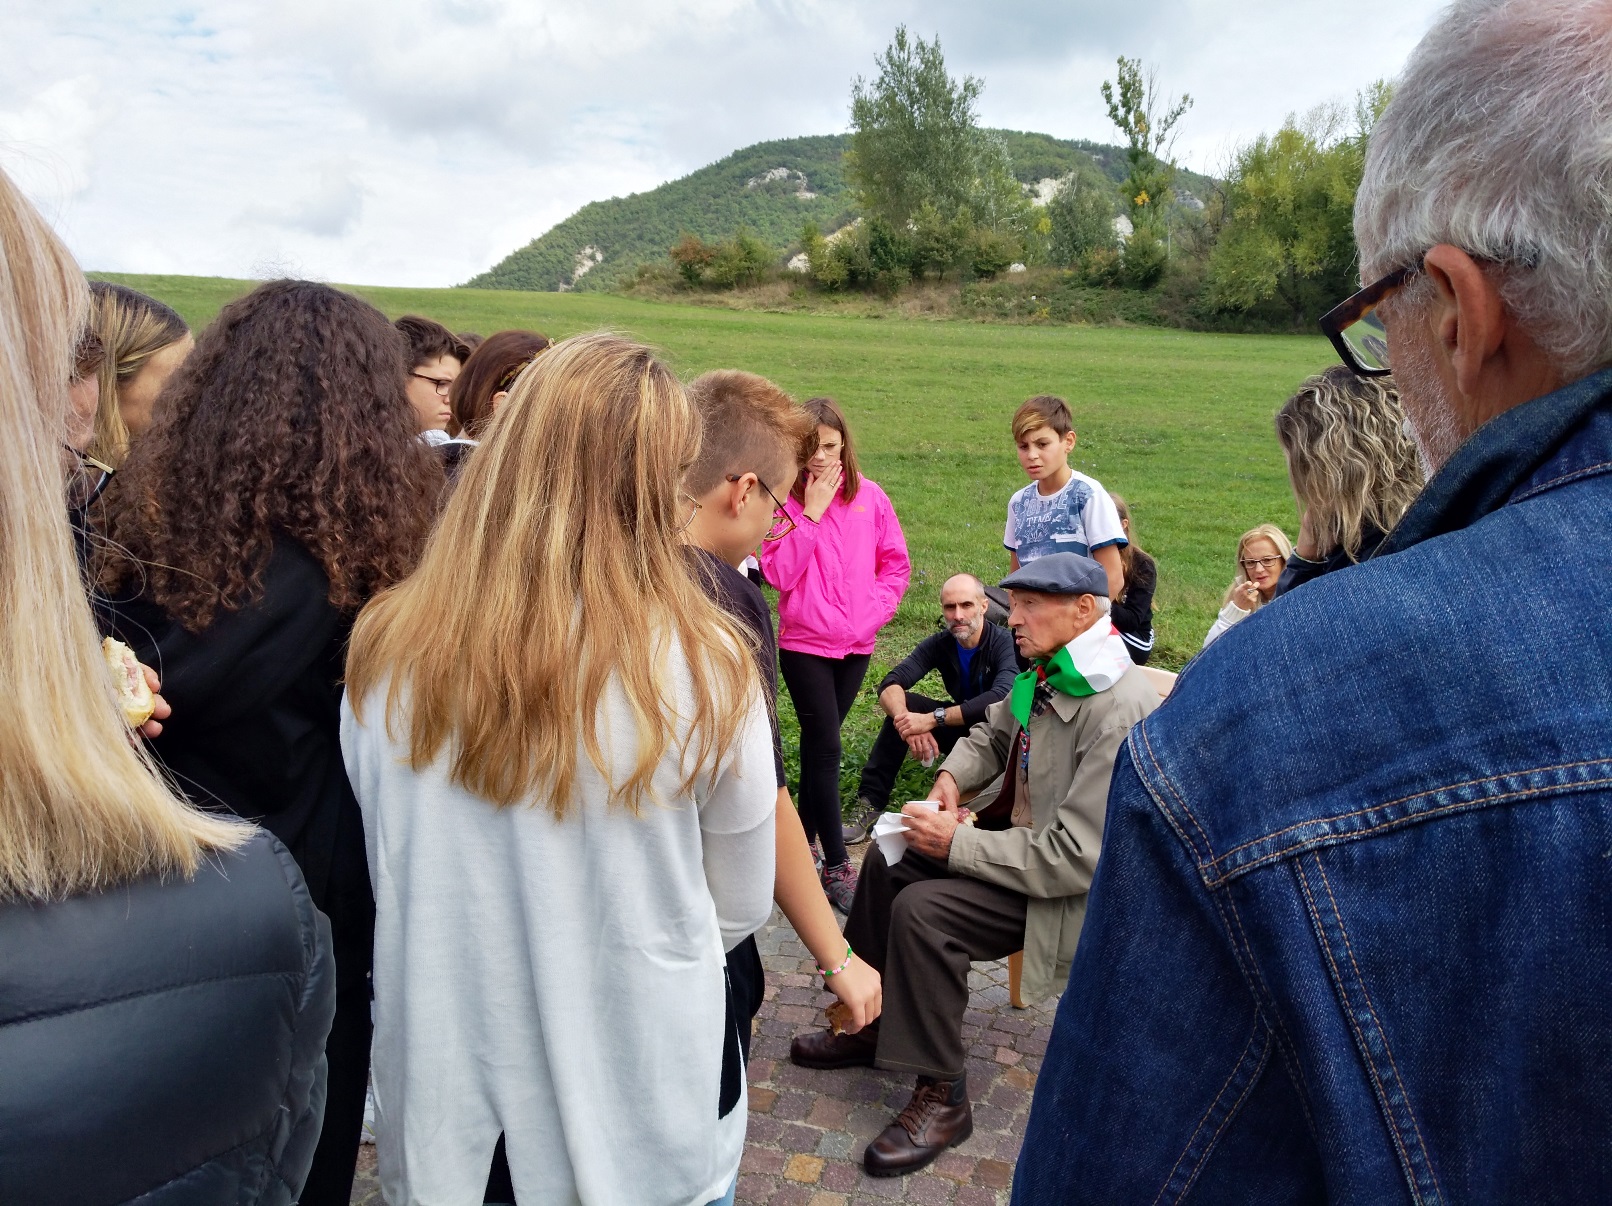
x,y
561,982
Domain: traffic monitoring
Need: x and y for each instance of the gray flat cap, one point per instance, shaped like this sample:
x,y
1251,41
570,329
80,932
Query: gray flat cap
x,y
1060,574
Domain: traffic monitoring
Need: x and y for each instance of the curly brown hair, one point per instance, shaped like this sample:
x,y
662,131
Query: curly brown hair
x,y
289,417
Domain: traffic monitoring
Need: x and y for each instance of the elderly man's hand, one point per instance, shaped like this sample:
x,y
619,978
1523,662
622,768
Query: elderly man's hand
x,y
930,832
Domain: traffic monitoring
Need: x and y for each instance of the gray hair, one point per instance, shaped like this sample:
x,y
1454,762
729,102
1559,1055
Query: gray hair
x,y
1105,605
1499,141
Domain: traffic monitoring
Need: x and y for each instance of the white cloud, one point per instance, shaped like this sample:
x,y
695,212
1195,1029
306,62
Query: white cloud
x,y
419,141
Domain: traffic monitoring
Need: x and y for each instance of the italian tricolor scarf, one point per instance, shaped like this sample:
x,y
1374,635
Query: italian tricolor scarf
x,y
1094,661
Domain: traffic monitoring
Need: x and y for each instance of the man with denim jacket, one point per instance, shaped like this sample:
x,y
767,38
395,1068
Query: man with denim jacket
x,y
1350,938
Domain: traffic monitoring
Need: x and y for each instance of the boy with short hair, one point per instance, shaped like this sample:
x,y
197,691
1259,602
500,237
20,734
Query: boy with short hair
x,y
755,439
436,355
1062,510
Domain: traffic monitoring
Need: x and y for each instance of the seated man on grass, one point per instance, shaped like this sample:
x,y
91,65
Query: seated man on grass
x,y
1016,880
976,665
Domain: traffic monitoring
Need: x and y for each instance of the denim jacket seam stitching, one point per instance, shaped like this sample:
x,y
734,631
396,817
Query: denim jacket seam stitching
x,y
1209,1111
1564,479
1432,791
1353,1023
1371,1007
1199,856
1261,991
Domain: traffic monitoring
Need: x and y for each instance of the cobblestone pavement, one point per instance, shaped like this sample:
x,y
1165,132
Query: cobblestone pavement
x,y
808,1128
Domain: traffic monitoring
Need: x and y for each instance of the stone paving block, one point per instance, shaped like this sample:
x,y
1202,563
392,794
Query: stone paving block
x,y
792,1105
762,1099
954,1166
761,1160
929,1189
837,1145
756,1189
791,1195
804,1168
978,1195
996,1174
829,1113
827,1199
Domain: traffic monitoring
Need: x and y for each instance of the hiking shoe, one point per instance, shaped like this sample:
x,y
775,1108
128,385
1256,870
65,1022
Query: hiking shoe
x,y
839,885
816,847
856,830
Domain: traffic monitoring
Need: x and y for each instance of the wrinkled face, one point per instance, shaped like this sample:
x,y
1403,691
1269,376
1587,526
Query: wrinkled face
x,y
829,446
963,608
1421,385
138,395
428,392
1043,452
1043,624
1261,562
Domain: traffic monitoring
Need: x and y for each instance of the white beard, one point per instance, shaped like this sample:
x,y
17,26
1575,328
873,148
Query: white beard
x,y
1427,406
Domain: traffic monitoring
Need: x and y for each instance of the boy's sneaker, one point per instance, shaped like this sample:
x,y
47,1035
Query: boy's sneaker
x,y
839,885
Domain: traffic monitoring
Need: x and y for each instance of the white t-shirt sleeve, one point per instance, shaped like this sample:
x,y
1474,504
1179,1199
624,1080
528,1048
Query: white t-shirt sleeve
x,y
1101,520
736,831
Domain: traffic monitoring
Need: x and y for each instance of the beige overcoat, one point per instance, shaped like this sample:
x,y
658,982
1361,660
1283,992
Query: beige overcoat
x,y
1073,744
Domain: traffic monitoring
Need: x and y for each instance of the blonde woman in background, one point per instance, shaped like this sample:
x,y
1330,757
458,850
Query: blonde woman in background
x,y
568,798
144,341
1353,469
165,981
1261,554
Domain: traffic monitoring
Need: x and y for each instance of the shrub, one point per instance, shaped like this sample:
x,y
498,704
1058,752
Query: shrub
x,y
1081,214
692,256
1143,260
990,252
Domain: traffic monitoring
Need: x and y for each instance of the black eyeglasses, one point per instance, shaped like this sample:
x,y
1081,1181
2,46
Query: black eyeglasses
x,y
441,384
1355,329
1254,563
782,524
87,480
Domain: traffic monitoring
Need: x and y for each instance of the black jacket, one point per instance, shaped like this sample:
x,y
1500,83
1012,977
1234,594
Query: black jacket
x,y
990,675
165,1041
1134,616
1298,570
256,728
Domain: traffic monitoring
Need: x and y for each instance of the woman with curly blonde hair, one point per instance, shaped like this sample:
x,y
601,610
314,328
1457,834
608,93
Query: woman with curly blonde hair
x,y
1353,468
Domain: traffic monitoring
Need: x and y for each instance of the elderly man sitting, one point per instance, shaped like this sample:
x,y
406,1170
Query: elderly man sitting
x,y
976,665
1017,879
1349,941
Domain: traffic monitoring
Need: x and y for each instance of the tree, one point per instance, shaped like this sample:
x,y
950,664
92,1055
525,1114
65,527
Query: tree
x,y
692,255
1148,121
916,141
1081,216
1288,235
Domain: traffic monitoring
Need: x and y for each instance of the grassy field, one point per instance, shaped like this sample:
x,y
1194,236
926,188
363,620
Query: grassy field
x,y
1177,422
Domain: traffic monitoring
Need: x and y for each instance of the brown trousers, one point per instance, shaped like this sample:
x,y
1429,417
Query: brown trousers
x,y
921,926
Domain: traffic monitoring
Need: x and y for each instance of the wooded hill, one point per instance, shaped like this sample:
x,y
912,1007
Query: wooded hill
x,y
772,188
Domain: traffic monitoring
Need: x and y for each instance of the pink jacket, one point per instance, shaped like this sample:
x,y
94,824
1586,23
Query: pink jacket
x,y
839,581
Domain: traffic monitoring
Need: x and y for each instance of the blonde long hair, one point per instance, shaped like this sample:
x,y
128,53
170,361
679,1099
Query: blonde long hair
x,y
558,568
1348,457
81,808
132,328
1270,532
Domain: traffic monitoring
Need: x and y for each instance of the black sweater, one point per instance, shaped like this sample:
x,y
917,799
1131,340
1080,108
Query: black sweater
x,y
990,675
1134,616
256,729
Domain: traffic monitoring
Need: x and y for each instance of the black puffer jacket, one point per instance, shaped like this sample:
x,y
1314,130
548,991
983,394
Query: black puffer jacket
x,y
165,1042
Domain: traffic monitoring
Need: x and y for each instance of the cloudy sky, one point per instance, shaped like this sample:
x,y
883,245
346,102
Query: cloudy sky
x,y
416,142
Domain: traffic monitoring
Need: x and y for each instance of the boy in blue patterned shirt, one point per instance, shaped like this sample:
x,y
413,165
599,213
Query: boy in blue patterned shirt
x,y
1062,510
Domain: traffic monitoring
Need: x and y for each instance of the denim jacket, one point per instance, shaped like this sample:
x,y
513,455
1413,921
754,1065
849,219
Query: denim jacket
x,y
1350,937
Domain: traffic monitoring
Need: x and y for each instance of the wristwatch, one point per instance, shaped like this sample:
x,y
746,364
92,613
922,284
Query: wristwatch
x,y
940,715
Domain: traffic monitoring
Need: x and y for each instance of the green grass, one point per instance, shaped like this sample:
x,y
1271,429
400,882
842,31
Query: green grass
x,y
1177,422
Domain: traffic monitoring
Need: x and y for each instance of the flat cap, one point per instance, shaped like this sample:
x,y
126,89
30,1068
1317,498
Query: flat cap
x,y
1060,574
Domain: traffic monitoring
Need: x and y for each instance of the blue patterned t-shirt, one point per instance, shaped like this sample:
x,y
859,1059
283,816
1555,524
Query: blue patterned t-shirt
x,y
1079,518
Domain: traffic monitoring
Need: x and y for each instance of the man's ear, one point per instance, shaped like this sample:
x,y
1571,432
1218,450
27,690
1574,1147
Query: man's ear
x,y
1469,319
738,491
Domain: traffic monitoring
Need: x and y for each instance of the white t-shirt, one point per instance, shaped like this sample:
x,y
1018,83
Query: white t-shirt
x,y
1079,518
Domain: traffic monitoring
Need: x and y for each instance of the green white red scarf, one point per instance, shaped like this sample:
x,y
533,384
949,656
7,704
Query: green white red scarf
x,y
1094,661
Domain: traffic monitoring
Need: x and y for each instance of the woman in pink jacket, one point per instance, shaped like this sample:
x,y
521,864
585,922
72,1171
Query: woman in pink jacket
x,y
840,574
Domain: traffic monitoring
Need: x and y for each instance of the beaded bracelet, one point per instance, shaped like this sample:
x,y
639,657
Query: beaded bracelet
x,y
837,970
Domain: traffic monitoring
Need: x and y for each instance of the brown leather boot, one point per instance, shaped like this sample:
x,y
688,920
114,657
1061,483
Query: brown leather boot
x,y
937,1117
825,1049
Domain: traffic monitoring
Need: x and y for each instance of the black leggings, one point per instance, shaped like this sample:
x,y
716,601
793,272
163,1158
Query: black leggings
x,y
823,689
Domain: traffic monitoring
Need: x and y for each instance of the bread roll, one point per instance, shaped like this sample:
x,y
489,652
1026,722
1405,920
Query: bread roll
x,y
129,677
